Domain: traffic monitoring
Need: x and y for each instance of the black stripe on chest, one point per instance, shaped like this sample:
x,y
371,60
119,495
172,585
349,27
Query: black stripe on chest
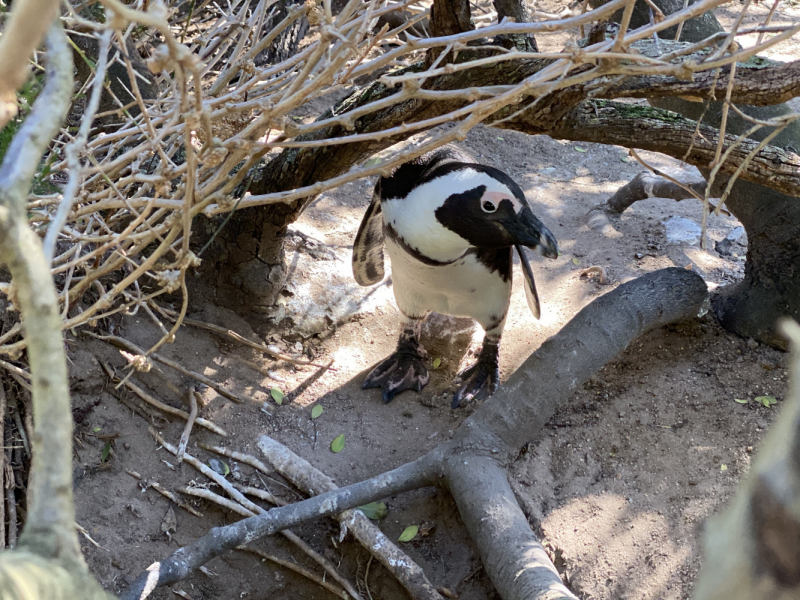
x,y
496,260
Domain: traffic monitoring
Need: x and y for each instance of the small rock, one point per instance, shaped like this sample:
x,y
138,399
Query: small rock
x,y
734,243
682,231
738,236
752,344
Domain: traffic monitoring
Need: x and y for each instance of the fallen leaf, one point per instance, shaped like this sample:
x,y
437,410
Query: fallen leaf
x,y
576,261
501,139
723,467
277,395
625,159
219,466
374,510
766,400
316,411
409,533
579,149
337,445
96,429
106,452
437,362
740,401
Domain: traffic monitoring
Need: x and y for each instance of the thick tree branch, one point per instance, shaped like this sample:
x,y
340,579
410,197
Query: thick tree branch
x,y
757,82
663,131
298,167
648,185
515,560
49,530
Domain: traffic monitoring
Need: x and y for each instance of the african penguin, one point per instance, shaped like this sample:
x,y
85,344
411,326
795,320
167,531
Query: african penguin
x,y
449,225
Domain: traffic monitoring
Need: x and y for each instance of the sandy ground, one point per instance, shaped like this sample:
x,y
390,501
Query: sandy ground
x,y
619,484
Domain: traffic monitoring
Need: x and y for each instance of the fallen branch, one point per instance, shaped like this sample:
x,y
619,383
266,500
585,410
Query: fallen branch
x,y
160,405
312,481
255,345
505,422
164,492
131,347
187,431
250,509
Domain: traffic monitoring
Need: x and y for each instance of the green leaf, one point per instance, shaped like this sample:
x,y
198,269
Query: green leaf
x,y
374,510
625,159
96,429
337,445
579,149
766,400
277,395
316,411
501,139
576,261
106,452
219,466
723,467
437,362
740,401
409,533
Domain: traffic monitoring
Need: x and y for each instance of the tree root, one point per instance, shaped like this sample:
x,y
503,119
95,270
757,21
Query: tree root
x,y
514,559
648,185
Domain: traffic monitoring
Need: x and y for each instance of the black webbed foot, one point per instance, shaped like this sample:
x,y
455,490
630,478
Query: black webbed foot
x,y
481,379
403,370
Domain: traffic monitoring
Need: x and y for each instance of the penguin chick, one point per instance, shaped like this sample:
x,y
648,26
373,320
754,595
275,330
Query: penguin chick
x,y
449,225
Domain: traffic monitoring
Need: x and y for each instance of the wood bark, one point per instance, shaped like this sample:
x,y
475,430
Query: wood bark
x,y
511,418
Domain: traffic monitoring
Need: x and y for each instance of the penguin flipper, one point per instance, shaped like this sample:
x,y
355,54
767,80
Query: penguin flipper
x,y
530,285
368,247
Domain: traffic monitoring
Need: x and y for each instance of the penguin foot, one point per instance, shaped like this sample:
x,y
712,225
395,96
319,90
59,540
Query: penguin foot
x,y
481,379
479,382
403,370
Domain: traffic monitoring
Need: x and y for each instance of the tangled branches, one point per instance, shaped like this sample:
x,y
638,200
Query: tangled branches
x,y
118,234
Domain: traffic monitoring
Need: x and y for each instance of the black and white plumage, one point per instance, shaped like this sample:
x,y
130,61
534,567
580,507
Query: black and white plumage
x,y
449,225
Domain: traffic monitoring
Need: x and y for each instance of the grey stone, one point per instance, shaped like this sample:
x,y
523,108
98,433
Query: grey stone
x,y
682,231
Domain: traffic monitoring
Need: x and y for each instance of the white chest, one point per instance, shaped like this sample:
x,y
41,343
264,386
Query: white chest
x,y
464,288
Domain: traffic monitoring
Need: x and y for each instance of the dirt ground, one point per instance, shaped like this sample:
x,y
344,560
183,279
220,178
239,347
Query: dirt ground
x,y
619,484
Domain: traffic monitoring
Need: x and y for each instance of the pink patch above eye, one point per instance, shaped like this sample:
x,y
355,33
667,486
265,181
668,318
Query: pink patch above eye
x,y
495,197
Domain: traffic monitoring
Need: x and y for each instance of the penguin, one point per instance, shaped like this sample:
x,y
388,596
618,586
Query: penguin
x,y
449,225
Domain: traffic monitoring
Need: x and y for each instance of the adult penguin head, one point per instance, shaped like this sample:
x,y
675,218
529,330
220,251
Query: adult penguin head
x,y
492,212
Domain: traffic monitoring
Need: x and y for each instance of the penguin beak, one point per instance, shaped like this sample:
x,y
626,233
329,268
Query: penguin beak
x,y
527,230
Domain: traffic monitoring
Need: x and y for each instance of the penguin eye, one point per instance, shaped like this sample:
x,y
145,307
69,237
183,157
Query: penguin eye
x,y
488,206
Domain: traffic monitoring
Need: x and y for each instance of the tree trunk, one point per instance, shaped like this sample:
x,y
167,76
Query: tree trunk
x,y
771,286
